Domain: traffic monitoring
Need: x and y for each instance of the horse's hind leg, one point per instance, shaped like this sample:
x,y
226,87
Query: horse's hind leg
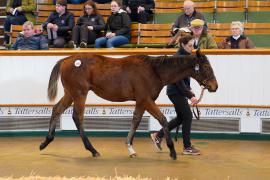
x,y
58,109
78,116
137,116
153,109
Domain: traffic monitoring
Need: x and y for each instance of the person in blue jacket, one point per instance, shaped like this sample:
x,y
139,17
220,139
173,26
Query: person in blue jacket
x,y
29,40
179,93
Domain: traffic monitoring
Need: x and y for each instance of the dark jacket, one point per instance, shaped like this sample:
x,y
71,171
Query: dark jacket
x,y
134,4
35,42
64,22
181,87
242,42
94,20
184,20
119,23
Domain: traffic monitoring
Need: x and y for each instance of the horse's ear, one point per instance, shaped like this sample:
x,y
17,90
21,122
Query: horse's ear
x,y
198,53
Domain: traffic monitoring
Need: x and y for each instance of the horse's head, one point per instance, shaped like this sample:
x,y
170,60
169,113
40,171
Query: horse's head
x,y
204,73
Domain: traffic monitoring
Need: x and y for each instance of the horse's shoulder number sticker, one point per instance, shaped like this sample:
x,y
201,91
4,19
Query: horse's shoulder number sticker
x,y
77,63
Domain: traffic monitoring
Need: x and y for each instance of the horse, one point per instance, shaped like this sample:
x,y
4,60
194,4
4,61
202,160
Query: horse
x,y
139,78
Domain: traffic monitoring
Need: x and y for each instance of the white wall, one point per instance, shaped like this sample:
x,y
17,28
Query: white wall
x,y
243,79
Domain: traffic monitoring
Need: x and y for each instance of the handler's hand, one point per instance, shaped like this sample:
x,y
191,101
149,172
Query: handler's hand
x,y
194,101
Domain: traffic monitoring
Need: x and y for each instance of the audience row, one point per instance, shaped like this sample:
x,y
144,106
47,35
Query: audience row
x,y
91,28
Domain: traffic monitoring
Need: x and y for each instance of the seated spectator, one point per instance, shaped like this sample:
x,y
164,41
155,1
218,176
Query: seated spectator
x,y
58,25
28,40
88,26
237,40
202,39
117,28
185,19
18,12
139,10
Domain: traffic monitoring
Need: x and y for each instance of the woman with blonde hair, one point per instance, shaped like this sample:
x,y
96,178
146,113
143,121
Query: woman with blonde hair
x,y
237,40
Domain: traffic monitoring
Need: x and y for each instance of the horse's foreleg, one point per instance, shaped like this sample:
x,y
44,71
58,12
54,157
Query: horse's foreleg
x,y
153,109
78,116
137,116
58,109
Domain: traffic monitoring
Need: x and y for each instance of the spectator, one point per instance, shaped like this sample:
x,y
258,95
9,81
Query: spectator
x,y
18,12
139,10
203,40
117,28
28,40
58,25
88,26
189,14
237,40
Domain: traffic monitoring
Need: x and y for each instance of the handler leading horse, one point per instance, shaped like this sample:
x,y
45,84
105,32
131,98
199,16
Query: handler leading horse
x,y
139,78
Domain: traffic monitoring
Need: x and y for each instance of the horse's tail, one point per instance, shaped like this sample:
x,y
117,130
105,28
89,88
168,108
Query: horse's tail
x,y
52,87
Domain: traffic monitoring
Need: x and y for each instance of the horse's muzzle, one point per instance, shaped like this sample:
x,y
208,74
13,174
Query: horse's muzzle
x,y
212,85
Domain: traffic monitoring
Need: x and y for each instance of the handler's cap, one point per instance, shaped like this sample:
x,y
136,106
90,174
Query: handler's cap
x,y
62,2
197,22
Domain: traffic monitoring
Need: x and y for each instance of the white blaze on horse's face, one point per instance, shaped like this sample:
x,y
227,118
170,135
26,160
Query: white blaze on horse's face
x,y
77,63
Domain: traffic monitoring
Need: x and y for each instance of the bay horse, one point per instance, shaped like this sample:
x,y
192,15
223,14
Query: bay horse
x,y
139,78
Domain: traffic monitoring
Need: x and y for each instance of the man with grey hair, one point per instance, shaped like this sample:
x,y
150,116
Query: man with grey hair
x,y
189,14
237,40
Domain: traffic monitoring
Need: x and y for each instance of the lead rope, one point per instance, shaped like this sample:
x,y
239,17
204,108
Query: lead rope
x,y
197,116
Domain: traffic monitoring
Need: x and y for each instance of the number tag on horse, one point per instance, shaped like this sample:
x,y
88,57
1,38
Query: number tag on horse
x,y
77,63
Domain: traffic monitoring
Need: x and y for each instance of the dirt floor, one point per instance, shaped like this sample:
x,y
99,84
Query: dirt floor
x,y
220,159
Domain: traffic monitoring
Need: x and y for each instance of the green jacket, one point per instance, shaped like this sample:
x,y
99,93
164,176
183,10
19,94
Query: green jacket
x,y
28,6
206,41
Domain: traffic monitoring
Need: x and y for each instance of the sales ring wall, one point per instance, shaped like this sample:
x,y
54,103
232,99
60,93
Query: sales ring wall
x,y
240,107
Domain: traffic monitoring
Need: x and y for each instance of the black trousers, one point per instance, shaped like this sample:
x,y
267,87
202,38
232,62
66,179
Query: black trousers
x,y
15,20
141,17
184,117
83,34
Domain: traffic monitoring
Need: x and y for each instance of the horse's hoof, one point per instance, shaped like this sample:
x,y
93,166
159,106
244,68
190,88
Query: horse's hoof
x,y
133,155
96,154
42,146
173,156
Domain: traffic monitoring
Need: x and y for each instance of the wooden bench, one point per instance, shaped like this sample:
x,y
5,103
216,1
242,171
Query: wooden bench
x,y
153,35
258,11
228,11
167,12
43,12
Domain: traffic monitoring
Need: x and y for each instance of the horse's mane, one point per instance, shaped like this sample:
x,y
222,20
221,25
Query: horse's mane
x,y
166,60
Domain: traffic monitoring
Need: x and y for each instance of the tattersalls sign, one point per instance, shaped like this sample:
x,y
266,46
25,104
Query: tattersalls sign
x,y
250,118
